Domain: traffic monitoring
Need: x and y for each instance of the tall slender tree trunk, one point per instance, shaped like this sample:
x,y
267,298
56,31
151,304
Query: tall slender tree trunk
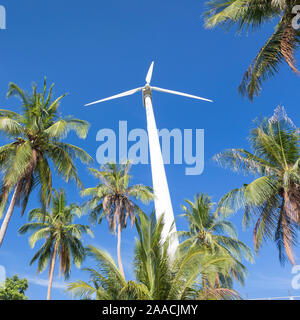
x,y
9,212
13,201
291,207
52,267
119,252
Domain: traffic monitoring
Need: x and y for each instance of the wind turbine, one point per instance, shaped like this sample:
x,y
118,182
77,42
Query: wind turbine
x,y
162,200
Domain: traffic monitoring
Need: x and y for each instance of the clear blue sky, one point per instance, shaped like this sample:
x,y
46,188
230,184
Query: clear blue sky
x,y
94,49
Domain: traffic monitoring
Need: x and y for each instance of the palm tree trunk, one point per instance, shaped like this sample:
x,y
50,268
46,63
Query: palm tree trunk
x,y
119,251
52,267
9,212
291,207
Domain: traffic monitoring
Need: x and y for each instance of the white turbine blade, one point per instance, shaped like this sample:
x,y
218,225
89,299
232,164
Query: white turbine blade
x,y
149,75
120,95
180,94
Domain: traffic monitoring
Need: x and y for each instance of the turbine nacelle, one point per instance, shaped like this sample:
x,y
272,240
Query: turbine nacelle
x,y
147,91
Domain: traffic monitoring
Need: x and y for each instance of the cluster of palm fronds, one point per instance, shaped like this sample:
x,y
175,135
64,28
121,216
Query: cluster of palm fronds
x,y
194,273
252,14
203,270
274,197
36,133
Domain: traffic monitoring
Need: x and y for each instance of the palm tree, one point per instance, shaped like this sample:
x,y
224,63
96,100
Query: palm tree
x,y
274,196
252,14
62,236
210,230
36,135
190,276
157,278
112,199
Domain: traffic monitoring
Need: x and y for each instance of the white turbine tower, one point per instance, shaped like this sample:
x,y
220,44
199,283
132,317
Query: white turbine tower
x,y
163,203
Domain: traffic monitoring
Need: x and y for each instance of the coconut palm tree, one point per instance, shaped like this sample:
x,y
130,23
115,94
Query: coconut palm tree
x,y
273,198
112,198
62,236
36,140
157,278
210,230
253,14
190,276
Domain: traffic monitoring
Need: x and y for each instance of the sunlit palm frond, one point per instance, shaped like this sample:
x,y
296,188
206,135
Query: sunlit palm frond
x,y
280,46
